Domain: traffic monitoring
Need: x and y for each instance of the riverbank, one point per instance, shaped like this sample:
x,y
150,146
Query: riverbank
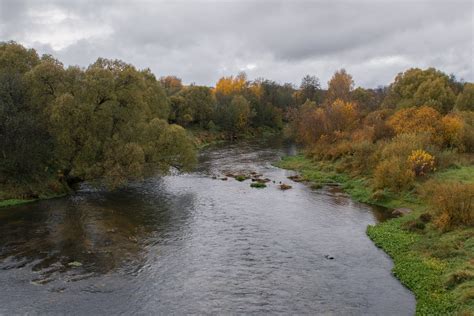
x,y
12,194
15,194
438,267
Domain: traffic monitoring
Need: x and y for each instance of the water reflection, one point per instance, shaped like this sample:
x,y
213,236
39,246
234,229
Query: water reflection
x,y
90,233
189,244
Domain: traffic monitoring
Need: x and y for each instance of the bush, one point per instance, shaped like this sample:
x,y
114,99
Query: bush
x,y
453,131
452,203
363,159
403,145
421,162
414,226
468,133
416,120
393,174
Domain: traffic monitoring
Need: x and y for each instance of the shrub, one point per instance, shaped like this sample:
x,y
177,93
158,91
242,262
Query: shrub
x,y
421,162
452,203
394,174
425,217
414,226
363,159
403,145
453,131
413,120
468,133
338,150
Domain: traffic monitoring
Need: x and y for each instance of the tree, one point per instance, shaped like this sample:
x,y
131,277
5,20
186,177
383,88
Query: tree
x,y
339,87
366,99
199,103
25,144
171,84
465,100
435,93
235,117
227,87
116,129
310,89
417,120
416,87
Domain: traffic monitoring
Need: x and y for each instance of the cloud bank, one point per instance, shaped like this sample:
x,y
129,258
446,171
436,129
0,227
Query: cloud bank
x,y
201,41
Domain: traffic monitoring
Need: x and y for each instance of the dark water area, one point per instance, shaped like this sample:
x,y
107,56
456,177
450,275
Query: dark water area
x,y
191,244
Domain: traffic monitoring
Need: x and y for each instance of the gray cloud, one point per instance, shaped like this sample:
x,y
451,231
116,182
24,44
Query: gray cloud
x,y
203,40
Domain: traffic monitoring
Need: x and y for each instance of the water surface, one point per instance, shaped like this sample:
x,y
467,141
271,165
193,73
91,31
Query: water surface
x,y
193,244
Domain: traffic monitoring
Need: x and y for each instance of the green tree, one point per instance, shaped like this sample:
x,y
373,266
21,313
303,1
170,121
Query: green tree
x,y
116,129
25,144
235,118
417,87
199,102
310,89
465,100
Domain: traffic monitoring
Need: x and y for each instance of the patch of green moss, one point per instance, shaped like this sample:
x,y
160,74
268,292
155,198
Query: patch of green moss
x,y
258,185
13,202
241,177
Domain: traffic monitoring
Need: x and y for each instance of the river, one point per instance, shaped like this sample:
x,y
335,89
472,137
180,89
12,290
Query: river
x,y
189,243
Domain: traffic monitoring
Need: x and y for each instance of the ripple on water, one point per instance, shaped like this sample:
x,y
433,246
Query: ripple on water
x,y
191,244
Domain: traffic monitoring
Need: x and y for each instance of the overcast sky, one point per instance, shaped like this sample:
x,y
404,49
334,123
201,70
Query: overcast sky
x,y
200,41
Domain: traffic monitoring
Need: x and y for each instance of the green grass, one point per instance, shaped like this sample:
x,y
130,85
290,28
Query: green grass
x,y
13,202
258,185
435,266
464,174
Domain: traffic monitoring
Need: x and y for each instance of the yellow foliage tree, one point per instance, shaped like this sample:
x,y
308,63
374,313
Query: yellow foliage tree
x,y
453,131
424,119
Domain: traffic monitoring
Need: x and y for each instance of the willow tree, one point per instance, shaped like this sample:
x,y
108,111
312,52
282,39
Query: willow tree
x,y
114,127
106,123
25,145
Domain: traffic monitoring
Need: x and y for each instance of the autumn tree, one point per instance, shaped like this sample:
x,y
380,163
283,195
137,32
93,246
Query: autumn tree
x,y
228,87
339,87
171,84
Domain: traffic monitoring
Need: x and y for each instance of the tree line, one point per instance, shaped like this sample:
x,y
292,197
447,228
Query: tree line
x,y
111,122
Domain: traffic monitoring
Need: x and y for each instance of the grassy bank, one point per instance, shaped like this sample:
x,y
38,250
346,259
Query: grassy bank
x,y
14,202
438,267
17,194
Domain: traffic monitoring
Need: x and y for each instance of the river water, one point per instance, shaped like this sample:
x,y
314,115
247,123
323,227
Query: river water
x,y
185,244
